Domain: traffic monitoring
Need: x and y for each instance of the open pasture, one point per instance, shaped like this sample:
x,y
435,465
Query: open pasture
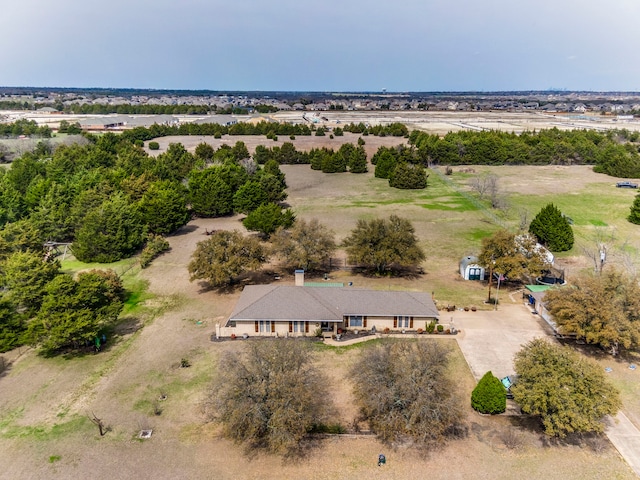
x,y
45,431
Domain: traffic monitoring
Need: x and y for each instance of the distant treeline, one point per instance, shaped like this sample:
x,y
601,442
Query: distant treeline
x,y
270,129
395,129
615,152
261,128
136,109
24,127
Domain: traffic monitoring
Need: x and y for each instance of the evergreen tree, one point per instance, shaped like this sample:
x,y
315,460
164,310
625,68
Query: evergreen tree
x,y
110,232
249,197
489,396
385,164
210,195
74,312
634,216
12,326
358,160
25,277
334,163
552,229
164,207
267,218
408,176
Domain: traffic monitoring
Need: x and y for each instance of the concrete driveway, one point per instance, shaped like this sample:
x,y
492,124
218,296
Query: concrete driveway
x,y
490,339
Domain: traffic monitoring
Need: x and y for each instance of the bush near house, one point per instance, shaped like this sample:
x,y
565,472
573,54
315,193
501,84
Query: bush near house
x,y
489,396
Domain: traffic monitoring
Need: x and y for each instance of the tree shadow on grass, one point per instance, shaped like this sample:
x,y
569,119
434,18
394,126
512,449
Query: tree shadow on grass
x,y
187,229
259,277
5,366
532,424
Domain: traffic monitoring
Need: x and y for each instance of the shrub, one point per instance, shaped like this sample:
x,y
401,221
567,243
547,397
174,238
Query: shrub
x,y
431,326
156,244
386,330
419,331
440,328
154,146
489,396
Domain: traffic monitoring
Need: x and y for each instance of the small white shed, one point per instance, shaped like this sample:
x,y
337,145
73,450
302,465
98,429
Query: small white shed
x,y
470,270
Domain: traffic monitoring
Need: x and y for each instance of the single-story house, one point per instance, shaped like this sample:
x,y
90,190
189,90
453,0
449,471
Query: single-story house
x,y
283,310
470,270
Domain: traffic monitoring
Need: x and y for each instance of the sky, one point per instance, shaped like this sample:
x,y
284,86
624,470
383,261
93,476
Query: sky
x,y
326,45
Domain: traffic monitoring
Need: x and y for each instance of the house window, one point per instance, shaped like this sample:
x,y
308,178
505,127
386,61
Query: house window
x,y
403,322
232,324
298,327
265,326
355,320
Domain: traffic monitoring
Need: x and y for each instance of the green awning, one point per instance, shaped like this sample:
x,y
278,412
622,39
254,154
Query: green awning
x,y
537,288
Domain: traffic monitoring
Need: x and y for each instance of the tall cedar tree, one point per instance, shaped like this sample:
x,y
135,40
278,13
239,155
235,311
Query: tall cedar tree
x,y
75,312
634,215
110,232
408,176
210,195
164,207
568,391
552,229
267,218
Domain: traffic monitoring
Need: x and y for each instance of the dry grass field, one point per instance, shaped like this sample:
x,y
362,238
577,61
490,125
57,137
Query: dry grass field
x,y
44,403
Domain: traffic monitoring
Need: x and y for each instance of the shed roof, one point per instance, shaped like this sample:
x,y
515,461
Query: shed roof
x,y
468,260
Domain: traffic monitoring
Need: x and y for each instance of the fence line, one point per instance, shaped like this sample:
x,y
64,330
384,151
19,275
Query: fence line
x,y
477,203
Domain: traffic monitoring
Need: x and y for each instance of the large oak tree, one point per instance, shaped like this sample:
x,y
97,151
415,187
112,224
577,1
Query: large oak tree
x,y
224,256
307,245
270,395
404,391
382,244
569,392
600,309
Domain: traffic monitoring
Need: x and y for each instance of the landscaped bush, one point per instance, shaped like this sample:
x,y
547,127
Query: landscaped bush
x,y
440,328
154,146
430,327
489,396
156,245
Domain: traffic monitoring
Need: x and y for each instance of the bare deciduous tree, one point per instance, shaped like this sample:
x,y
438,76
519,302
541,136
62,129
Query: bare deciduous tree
x,y
405,392
270,395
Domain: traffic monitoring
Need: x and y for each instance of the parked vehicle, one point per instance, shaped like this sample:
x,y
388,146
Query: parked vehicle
x,y
626,185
